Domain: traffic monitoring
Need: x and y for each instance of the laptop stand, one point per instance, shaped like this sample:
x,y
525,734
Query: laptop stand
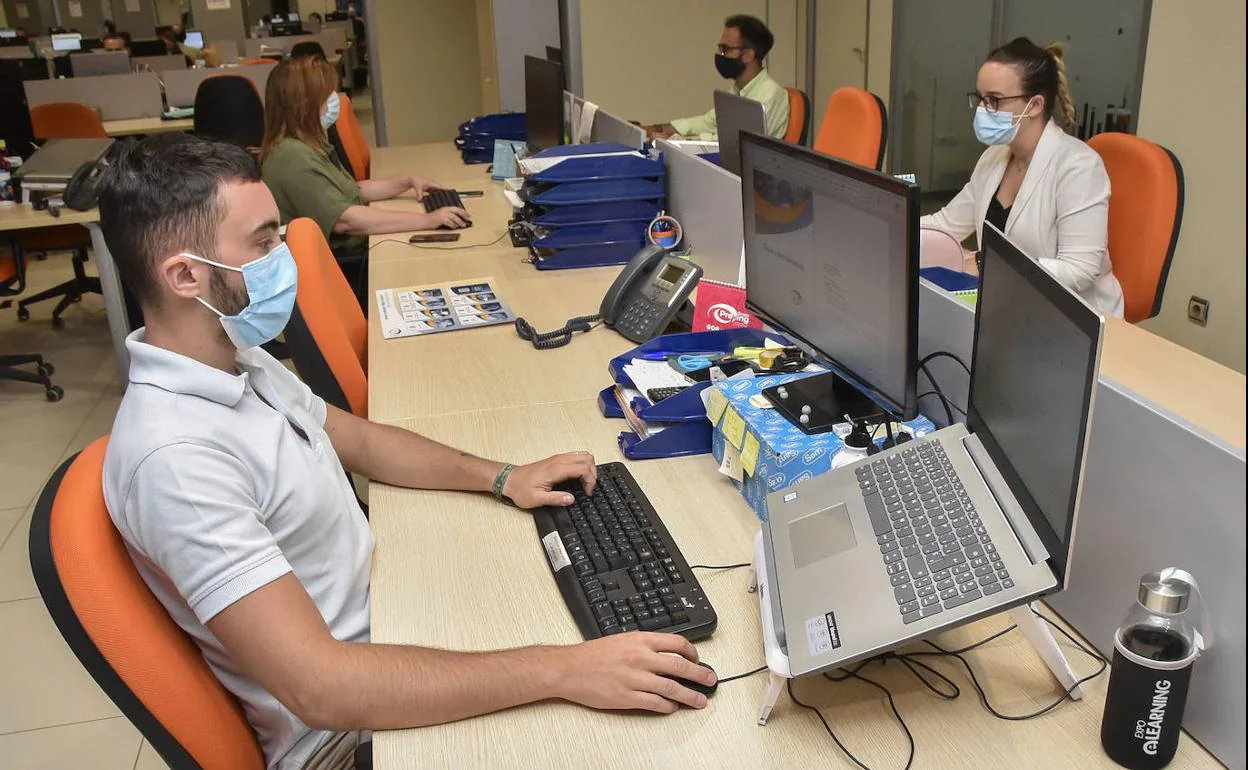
x,y
1034,629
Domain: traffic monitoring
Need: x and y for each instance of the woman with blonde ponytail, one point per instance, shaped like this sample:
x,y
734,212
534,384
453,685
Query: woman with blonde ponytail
x,y
1044,189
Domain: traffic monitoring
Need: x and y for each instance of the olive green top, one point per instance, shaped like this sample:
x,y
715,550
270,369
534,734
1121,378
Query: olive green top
x,y
310,182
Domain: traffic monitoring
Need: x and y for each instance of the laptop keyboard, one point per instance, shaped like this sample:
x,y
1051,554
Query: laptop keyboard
x,y
936,550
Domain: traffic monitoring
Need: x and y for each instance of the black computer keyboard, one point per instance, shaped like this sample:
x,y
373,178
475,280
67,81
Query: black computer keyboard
x,y
440,199
936,550
616,564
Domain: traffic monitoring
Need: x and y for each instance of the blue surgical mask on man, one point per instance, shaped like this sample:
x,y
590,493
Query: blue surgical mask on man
x,y
998,127
271,284
333,107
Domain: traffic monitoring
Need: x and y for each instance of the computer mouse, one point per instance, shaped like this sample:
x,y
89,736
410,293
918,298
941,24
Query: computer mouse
x,y
707,690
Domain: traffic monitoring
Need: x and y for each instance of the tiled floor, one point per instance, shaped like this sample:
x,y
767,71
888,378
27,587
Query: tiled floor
x,y
52,715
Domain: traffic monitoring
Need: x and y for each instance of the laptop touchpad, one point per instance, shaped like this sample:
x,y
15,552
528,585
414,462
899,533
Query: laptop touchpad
x,y
821,534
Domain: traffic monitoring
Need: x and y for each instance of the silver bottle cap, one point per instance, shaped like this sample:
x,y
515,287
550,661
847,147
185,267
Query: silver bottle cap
x,y
1168,595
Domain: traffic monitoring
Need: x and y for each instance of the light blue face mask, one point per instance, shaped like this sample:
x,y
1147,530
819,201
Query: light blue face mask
x,y
333,107
997,127
271,284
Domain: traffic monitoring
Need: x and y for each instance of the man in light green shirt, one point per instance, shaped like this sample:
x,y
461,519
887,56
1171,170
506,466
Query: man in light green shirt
x,y
742,48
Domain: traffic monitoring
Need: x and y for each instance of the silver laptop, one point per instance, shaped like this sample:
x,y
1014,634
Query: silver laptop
x,y
976,518
100,63
734,114
57,160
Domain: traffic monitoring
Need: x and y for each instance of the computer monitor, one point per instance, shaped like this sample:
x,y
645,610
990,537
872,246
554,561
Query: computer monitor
x,y
292,16
8,34
554,54
195,39
69,41
92,43
832,260
163,28
734,114
543,103
148,48
1033,378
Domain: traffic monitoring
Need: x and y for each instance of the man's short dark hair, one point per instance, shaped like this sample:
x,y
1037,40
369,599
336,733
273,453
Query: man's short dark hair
x,y
754,33
160,196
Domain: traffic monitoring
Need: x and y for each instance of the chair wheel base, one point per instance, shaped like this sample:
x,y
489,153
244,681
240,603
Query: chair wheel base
x,y
54,393
45,370
22,313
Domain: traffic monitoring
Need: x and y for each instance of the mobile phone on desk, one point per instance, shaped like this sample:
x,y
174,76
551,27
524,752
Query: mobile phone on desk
x,y
433,238
470,193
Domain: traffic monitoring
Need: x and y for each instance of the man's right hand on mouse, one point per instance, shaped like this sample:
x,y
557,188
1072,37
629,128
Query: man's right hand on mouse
x,y
628,671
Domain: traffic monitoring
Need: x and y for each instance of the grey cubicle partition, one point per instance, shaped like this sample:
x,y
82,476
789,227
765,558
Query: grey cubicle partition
x,y
609,128
173,61
117,97
180,86
706,200
227,50
1158,492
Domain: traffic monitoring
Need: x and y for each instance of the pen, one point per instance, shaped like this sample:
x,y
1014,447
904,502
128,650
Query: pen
x,y
663,355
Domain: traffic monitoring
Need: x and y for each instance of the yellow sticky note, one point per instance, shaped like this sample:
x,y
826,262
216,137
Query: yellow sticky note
x,y
734,427
715,408
749,454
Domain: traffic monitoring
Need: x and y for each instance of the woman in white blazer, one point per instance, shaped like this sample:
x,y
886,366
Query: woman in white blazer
x,y
1046,190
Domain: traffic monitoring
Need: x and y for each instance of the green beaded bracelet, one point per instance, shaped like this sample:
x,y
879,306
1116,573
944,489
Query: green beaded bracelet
x,y
500,481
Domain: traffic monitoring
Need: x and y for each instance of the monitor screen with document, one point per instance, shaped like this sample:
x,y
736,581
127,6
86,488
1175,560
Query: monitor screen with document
x,y
831,259
71,41
543,103
195,39
1033,378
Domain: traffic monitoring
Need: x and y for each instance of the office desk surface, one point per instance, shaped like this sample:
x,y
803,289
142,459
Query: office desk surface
x,y
22,216
1205,393
487,392
136,126
435,583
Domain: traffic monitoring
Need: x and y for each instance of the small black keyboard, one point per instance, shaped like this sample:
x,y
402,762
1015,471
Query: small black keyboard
x,y
440,199
617,566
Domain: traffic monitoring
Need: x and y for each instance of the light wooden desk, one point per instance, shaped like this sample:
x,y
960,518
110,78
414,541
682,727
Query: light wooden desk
x,y
23,216
136,126
488,393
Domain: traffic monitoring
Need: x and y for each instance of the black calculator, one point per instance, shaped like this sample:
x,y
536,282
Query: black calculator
x,y
659,394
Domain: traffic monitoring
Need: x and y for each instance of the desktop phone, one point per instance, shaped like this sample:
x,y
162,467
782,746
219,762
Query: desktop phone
x,y
433,238
649,293
649,297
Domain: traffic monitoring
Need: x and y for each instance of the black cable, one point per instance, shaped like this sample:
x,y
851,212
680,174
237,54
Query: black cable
x,y
735,677
983,696
945,354
940,393
439,248
893,705
720,566
952,405
826,726
559,337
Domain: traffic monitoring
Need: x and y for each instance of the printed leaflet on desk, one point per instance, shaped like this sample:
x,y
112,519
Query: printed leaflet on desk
x,y
416,310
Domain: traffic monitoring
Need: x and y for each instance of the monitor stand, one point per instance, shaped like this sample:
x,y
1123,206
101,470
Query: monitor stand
x,y
815,404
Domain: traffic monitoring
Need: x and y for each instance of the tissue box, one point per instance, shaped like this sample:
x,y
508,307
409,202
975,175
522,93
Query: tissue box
x,y
774,453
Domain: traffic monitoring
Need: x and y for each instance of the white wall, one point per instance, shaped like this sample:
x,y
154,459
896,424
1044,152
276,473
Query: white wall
x,y
654,60
521,27
1193,103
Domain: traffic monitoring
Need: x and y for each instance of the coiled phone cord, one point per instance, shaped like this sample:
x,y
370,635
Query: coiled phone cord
x,y
559,337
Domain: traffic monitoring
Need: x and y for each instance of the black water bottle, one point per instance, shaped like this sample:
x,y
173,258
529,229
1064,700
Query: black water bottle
x,y
1154,650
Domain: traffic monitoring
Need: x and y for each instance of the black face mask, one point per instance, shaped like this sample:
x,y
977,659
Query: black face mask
x,y
727,67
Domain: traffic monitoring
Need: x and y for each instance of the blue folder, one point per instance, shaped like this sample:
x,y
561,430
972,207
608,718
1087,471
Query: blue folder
x,y
581,193
598,213
600,168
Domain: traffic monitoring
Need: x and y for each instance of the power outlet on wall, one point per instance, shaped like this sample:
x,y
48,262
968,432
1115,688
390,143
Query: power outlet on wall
x,y
1198,311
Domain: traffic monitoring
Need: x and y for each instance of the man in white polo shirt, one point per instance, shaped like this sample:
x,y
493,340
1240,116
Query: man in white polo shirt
x,y
224,475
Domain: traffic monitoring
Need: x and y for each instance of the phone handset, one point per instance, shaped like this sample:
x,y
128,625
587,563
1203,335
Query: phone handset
x,y
628,278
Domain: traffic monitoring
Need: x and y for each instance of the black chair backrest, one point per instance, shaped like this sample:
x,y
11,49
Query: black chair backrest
x,y
308,48
227,107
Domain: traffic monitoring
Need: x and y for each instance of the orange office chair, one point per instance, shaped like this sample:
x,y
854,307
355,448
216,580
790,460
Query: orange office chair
x,y
228,108
328,334
1145,212
799,116
854,128
66,120
353,141
121,633
63,120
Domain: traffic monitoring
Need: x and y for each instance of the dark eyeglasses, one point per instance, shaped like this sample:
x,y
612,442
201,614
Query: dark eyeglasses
x,y
724,49
990,103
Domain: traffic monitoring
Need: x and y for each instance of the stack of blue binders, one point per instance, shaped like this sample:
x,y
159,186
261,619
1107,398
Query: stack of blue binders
x,y
593,211
475,140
